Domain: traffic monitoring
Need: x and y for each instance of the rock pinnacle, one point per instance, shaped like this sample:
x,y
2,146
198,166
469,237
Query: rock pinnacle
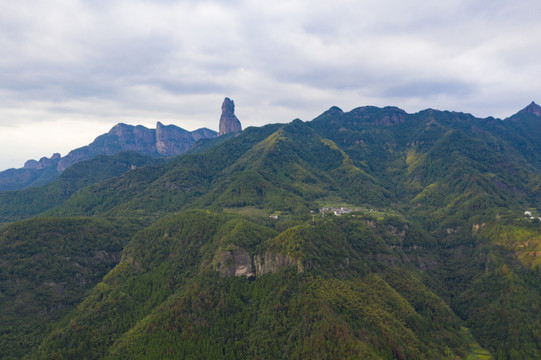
x,y
228,121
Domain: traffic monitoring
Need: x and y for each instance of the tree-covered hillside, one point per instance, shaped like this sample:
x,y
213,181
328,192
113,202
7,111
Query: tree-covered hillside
x,y
21,204
47,266
234,251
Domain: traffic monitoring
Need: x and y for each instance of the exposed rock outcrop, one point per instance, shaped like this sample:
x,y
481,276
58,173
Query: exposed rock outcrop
x,y
172,140
533,109
45,162
238,262
235,262
272,263
228,121
31,164
165,140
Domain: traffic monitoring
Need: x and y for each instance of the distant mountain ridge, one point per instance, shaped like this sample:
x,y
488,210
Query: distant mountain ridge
x,y
165,140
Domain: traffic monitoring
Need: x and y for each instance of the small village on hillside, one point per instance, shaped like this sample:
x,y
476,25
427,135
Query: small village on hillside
x,y
532,215
338,211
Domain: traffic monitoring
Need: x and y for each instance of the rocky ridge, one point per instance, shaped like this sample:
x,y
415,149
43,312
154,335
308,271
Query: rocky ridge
x,y
533,109
165,140
43,163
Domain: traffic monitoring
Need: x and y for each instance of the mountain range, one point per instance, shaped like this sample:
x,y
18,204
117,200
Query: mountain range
x,y
164,141
372,233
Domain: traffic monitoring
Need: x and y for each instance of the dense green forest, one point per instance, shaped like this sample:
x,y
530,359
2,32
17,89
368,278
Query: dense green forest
x,y
233,249
22,204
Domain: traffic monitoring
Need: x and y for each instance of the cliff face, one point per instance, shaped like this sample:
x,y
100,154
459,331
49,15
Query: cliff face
x,y
203,133
172,140
43,163
238,262
165,140
273,262
228,121
235,262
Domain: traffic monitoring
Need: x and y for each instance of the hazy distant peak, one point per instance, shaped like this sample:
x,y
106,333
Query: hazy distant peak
x,y
533,109
334,110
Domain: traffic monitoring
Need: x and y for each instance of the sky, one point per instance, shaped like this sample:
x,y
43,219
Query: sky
x,y
72,69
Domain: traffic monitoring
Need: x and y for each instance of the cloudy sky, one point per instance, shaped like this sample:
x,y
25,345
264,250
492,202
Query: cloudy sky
x,y
71,69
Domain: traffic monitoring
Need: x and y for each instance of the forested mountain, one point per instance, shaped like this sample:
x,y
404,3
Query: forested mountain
x,y
21,204
233,250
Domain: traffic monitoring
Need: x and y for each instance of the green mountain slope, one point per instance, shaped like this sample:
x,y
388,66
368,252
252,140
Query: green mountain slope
x,y
16,179
155,191
167,299
288,171
447,163
47,265
224,253
23,204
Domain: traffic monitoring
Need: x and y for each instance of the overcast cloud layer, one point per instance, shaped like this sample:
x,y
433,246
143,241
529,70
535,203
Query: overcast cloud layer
x,y
71,69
